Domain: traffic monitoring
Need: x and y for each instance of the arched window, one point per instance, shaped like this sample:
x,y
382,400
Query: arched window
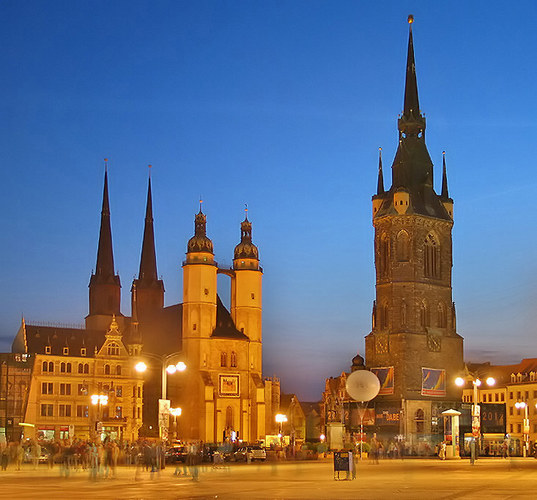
x,y
424,315
51,367
62,367
403,246
113,349
403,313
223,359
45,366
68,367
384,255
229,417
118,370
419,418
233,359
86,368
107,369
431,257
442,316
384,316
80,368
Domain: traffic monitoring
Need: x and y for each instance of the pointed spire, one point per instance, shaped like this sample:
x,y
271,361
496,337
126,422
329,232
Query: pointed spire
x,y
105,255
200,242
246,249
445,193
380,183
148,260
135,336
411,105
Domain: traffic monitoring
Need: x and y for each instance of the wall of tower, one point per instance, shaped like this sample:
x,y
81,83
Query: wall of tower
x,y
246,302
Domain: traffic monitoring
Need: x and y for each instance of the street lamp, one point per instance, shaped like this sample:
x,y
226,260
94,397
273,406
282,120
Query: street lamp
x,y
98,400
518,406
176,412
280,419
476,382
165,370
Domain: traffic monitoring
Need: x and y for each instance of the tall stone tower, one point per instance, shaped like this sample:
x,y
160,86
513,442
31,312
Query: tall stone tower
x,y
413,346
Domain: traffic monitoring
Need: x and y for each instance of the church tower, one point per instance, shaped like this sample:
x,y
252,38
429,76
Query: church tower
x,y
246,288
149,289
413,346
104,286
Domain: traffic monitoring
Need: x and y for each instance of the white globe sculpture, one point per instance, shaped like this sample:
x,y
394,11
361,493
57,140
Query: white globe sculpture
x,y
362,385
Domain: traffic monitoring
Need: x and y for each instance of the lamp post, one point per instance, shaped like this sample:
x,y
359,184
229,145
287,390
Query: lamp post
x,y
280,419
526,429
164,404
98,400
176,412
476,416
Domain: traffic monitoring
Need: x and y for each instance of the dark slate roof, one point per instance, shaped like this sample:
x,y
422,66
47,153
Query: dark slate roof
x,y
35,338
225,327
163,332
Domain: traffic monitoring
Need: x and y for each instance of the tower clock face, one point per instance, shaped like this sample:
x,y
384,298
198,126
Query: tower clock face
x,y
381,345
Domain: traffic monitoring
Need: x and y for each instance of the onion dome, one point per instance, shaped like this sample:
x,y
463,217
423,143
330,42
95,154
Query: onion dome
x,y
246,249
200,242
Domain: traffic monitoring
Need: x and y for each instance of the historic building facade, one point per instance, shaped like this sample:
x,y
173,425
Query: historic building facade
x,y
414,346
222,393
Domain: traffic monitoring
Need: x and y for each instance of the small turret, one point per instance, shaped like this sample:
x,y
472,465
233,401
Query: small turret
x,y
379,197
446,200
246,254
200,243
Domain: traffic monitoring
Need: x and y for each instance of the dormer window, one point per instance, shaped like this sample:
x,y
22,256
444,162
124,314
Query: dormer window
x,y
113,349
66,351
82,351
47,349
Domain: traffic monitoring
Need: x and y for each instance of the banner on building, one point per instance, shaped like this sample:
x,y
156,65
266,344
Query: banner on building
x,y
385,376
228,385
433,382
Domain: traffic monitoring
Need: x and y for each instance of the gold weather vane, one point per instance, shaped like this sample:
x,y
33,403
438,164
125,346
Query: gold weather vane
x,y
106,164
201,203
149,167
410,19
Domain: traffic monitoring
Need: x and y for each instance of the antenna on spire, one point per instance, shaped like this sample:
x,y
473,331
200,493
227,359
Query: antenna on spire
x,y
410,20
106,164
201,203
149,168
246,211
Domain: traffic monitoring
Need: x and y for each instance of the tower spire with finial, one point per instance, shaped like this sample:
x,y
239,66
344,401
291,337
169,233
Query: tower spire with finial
x,y
445,193
380,182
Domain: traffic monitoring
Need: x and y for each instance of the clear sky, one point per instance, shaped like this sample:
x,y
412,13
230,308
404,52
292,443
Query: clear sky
x,y
281,105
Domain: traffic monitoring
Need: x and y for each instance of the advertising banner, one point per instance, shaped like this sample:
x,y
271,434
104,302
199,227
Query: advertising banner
x,y
433,382
387,415
385,375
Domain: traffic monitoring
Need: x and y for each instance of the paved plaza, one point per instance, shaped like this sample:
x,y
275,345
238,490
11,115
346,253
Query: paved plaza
x,y
407,479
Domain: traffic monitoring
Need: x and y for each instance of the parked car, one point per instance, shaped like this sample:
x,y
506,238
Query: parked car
x,y
250,452
176,454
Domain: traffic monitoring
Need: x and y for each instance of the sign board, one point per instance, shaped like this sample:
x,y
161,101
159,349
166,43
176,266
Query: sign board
x,y
433,382
387,415
385,375
164,413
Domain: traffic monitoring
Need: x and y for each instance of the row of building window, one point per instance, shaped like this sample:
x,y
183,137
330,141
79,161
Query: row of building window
x,y
232,359
112,349
522,395
424,319
519,428
486,397
520,411
82,411
48,367
47,388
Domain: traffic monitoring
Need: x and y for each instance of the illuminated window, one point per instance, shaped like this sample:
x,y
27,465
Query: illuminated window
x,y
119,412
82,390
65,351
119,391
47,349
82,351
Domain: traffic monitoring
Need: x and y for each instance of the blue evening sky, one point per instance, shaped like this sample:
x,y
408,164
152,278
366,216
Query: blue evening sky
x,y
281,105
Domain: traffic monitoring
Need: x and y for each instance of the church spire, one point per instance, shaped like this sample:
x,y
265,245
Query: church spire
x,y
105,254
148,260
380,182
104,286
445,193
147,292
411,104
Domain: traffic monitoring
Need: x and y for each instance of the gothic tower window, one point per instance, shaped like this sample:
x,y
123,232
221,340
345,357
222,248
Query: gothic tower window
x,y
384,255
223,359
233,359
403,246
384,316
424,315
431,257
442,316
403,312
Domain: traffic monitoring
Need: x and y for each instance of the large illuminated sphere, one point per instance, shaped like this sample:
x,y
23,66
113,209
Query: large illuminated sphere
x,y
362,385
